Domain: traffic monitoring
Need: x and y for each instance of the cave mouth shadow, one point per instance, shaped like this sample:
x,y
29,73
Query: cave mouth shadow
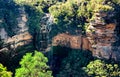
x,y
59,54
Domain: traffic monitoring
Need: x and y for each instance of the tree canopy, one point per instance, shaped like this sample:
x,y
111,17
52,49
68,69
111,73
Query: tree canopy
x,y
4,72
99,68
72,65
33,65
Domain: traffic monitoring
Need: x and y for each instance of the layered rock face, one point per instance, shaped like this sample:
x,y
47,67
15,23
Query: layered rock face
x,y
102,36
99,39
72,41
22,36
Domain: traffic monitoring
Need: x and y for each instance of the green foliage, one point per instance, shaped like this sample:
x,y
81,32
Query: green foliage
x,y
62,9
34,9
42,5
68,15
83,9
116,1
34,17
4,72
33,65
65,16
71,14
62,12
99,68
33,3
87,8
72,65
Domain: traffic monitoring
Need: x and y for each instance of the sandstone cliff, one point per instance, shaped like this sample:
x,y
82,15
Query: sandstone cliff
x,y
99,38
72,41
22,36
102,35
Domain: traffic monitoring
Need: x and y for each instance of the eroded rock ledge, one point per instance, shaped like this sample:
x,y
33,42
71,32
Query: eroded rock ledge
x,y
22,36
102,35
72,41
99,37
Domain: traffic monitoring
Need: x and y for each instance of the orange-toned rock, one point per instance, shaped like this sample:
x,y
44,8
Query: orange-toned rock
x,y
72,41
20,39
111,26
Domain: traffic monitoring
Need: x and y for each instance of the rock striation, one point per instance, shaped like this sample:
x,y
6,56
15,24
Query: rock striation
x,y
102,35
22,36
71,41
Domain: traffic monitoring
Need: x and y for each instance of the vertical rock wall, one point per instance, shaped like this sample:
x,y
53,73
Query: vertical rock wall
x,y
22,36
102,35
71,41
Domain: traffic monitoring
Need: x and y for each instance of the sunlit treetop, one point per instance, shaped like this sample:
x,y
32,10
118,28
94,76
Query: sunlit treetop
x,y
4,72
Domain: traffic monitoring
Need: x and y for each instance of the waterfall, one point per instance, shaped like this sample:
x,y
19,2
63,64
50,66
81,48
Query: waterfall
x,y
46,28
46,22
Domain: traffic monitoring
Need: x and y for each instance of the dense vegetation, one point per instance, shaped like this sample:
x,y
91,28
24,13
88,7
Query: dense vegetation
x,y
4,72
33,65
99,68
69,16
71,66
